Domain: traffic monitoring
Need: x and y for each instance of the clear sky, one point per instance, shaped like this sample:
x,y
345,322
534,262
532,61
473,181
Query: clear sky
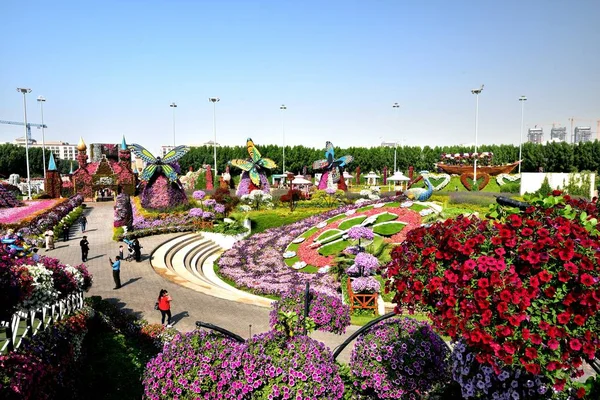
x,y
109,68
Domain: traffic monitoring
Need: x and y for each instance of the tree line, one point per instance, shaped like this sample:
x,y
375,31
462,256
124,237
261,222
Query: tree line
x,y
552,157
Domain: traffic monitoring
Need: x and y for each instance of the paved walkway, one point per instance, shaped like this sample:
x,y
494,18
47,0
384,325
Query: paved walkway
x,y
141,285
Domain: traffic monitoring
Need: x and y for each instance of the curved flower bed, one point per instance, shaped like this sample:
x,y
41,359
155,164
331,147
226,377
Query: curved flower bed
x,y
40,222
256,263
14,217
311,256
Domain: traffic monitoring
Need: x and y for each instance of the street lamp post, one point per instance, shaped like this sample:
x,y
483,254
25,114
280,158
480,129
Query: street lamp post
x,y
397,107
215,100
25,91
42,100
476,92
283,108
522,99
173,106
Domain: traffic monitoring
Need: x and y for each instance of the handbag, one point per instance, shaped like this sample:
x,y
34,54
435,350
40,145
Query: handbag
x,y
156,305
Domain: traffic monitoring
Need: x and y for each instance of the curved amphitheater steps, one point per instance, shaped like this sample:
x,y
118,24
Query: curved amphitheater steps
x,y
188,261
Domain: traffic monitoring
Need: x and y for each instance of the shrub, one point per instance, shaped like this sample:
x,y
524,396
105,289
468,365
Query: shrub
x,y
511,187
398,358
223,196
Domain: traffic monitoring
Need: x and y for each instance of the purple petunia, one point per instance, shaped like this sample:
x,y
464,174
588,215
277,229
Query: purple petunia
x,y
360,232
198,194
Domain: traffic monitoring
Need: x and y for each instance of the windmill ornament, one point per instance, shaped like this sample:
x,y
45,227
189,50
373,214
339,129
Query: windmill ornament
x,y
332,169
254,170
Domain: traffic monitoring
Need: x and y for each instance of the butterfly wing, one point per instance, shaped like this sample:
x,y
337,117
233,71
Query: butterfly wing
x,y
242,164
320,164
253,151
175,154
267,163
169,172
254,176
142,153
343,161
148,172
329,153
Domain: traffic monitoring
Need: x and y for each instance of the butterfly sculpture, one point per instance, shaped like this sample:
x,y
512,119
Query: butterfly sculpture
x,y
255,164
157,163
330,164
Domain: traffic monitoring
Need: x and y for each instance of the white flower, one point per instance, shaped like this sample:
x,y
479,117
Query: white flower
x,y
43,288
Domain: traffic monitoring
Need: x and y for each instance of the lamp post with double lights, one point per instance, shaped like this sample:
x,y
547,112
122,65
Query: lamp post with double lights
x,y
522,100
215,100
283,108
476,92
42,100
25,91
173,106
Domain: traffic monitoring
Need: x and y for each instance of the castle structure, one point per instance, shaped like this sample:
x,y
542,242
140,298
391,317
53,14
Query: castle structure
x,y
114,175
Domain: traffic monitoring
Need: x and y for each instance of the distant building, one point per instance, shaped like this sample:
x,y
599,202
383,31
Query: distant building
x,y
582,134
97,150
165,149
558,133
535,135
389,144
61,150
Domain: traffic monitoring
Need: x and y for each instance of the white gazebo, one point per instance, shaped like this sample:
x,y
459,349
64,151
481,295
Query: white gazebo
x,y
400,180
371,178
348,178
301,183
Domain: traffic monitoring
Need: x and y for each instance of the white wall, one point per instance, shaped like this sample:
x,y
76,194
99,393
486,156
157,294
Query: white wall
x,y
532,181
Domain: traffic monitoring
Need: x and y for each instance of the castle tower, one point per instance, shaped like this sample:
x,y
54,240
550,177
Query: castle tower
x,y
82,154
53,182
124,154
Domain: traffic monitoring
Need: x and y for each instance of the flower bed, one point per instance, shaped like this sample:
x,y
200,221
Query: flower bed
x,y
522,291
16,217
39,222
256,263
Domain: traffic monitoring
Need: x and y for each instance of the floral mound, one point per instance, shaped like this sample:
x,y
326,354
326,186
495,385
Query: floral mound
x,y
210,366
160,194
398,359
522,290
246,186
7,198
123,211
328,313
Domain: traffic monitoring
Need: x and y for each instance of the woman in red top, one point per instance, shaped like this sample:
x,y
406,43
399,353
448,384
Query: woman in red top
x,y
164,305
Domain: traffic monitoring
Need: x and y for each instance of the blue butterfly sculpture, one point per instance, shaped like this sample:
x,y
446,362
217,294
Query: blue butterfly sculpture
x,y
330,164
155,164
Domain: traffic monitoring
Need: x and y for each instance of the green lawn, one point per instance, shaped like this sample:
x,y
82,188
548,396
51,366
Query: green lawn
x,y
334,248
388,228
329,233
350,222
365,208
418,207
392,204
385,217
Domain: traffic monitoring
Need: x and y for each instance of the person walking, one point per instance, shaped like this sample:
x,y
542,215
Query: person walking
x,y
137,249
83,223
121,252
164,305
85,247
65,232
116,267
49,234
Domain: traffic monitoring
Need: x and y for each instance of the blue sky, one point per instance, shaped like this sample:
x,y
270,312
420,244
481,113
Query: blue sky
x,y
113,67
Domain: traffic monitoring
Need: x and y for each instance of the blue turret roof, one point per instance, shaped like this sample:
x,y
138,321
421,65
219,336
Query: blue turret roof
x,y
123,144
51,163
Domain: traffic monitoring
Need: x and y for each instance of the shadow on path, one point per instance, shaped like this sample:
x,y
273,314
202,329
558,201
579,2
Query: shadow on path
x,y
132,280
98,256
179,316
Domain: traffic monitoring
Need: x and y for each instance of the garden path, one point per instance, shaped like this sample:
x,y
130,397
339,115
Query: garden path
x,y
140,284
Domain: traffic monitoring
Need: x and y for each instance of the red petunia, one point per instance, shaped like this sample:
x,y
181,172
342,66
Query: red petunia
x,y
553,344
563,276
579,320
531,353
550,291
563,318
580,393
502,307
575,344
587,279
545,276
515,220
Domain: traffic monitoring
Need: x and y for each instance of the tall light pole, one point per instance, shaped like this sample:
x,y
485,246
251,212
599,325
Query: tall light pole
x,y
396,106
42,100
522,100
476,92
215,100
25,91
173,106
283,108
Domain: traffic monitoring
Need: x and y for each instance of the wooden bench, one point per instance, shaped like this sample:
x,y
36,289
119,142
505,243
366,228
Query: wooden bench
x,y
361,301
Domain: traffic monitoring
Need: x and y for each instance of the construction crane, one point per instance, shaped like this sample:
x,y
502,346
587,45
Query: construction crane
x,y
29,125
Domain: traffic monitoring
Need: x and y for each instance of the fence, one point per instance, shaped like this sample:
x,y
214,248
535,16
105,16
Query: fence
x,y
33,321
361,301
